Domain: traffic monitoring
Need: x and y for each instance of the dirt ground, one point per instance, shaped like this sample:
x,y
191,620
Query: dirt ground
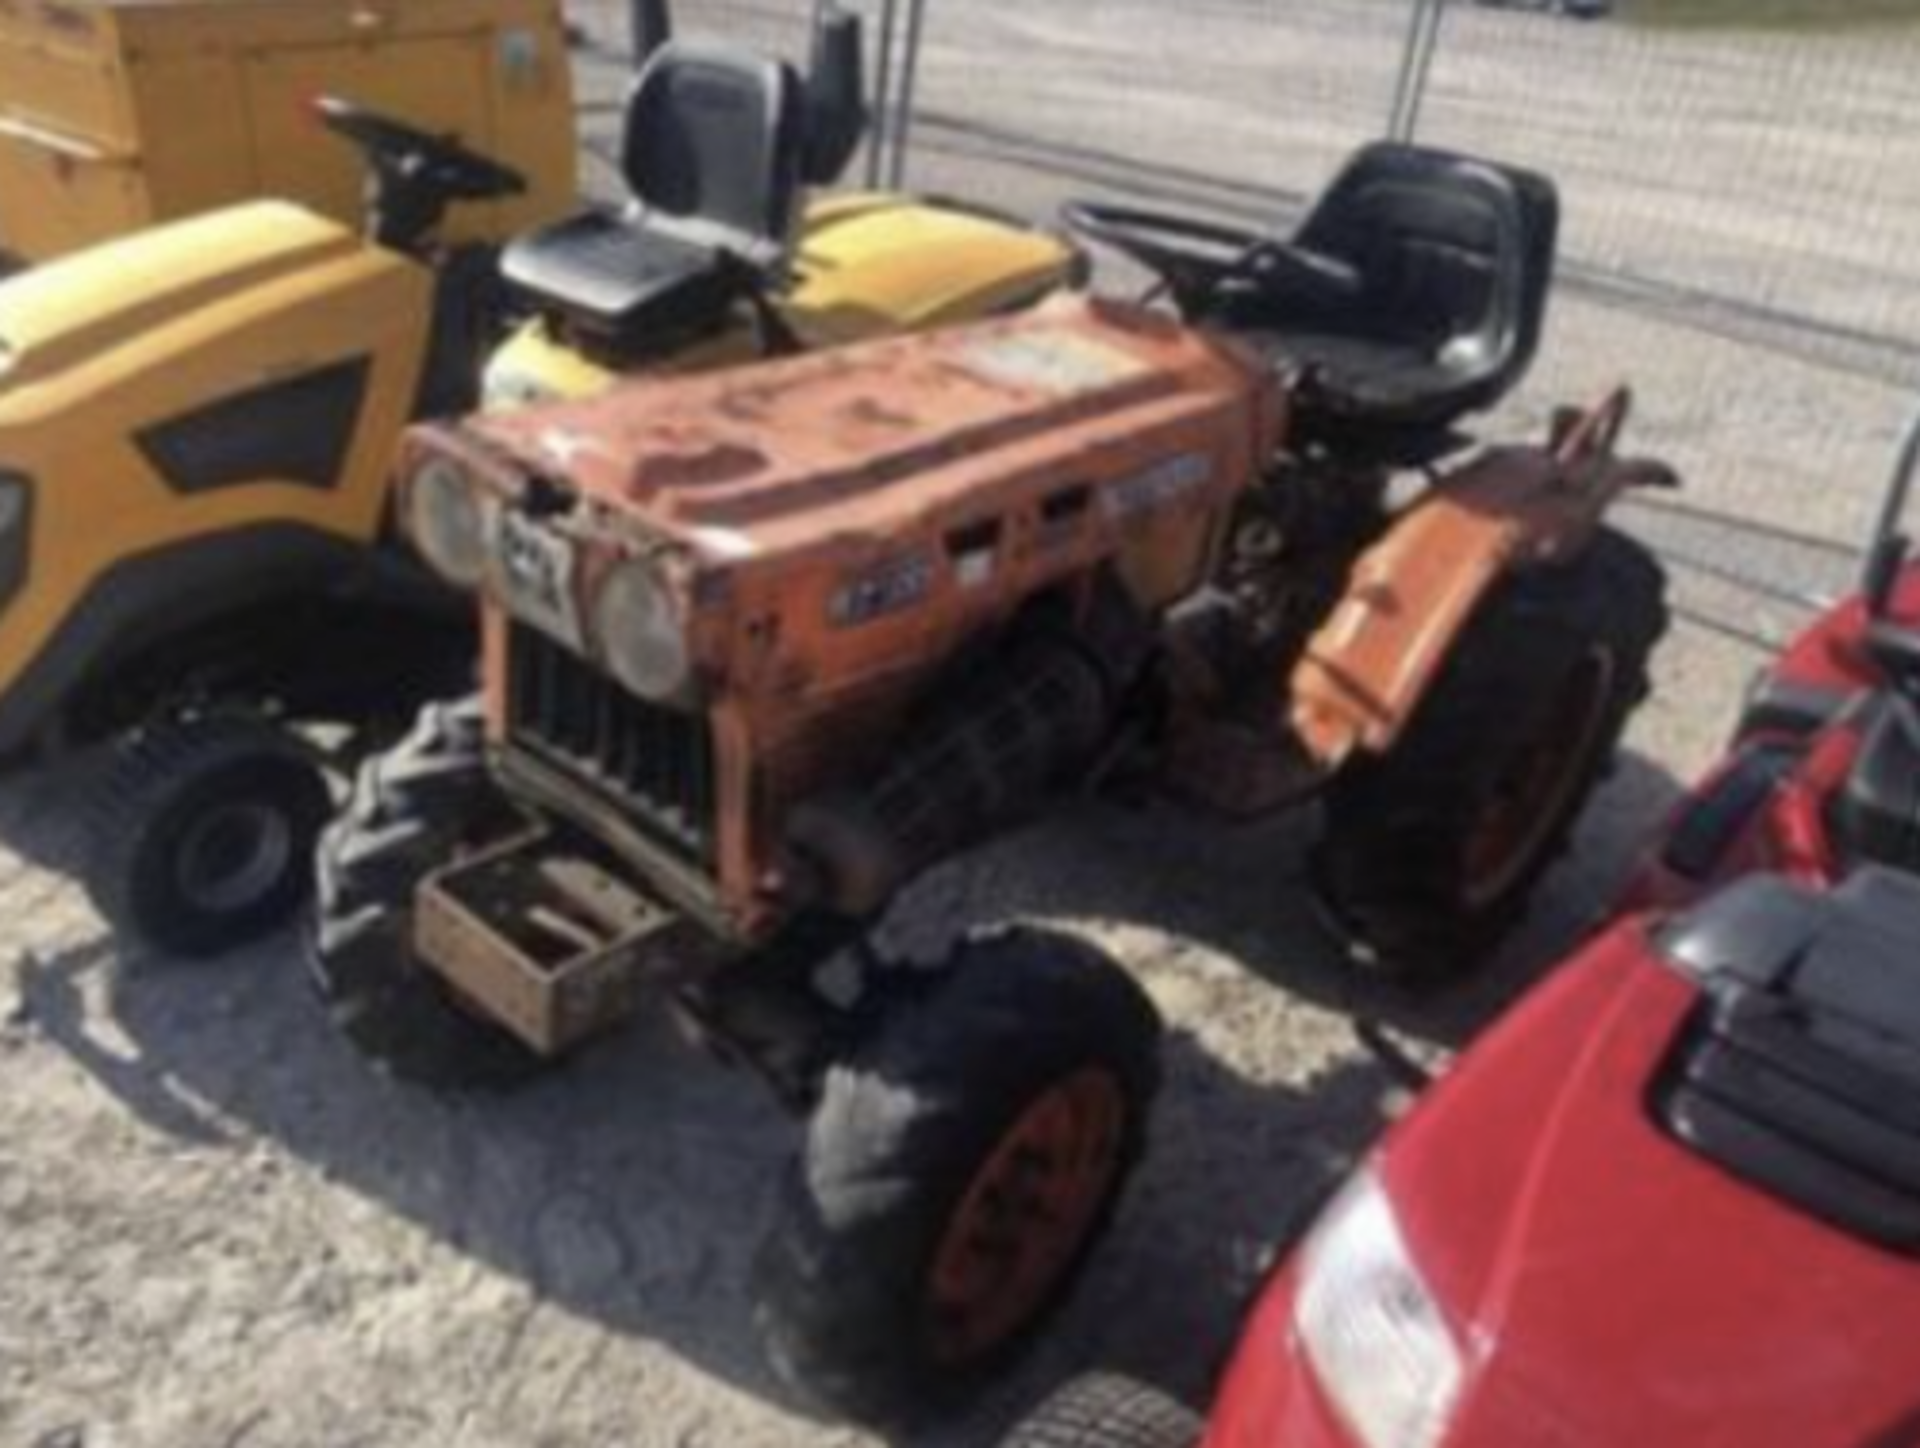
x,y
216,1228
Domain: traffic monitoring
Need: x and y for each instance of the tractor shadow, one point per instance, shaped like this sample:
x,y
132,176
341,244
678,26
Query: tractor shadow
x,y
1231,944
1206,895
631,1188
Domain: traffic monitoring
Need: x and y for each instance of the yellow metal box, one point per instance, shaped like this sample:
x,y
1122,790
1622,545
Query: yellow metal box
x,y
115,114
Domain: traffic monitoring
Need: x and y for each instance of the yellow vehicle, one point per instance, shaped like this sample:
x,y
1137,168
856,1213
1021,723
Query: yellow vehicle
x,y
197,427
117,115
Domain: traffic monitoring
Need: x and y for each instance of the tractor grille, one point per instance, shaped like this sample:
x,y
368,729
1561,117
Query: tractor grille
x,y
656,764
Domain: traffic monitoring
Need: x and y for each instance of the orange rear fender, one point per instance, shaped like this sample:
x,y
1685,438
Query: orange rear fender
x,y
1412,595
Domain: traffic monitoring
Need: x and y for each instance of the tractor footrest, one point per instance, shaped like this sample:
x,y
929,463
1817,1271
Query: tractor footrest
x,y
544,939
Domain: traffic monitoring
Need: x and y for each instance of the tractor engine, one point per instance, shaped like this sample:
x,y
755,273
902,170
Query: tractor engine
x,y
777,639
1033,717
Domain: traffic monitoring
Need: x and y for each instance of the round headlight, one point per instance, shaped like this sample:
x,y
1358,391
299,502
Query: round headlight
x,y
446,521
640,633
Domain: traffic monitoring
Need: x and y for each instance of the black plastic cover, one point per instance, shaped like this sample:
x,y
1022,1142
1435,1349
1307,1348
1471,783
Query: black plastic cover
x,y
1709,825
1785,706
294,430
1800,1073
1875,818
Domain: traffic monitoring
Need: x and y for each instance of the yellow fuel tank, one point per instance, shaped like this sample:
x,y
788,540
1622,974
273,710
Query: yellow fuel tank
x,y
118,114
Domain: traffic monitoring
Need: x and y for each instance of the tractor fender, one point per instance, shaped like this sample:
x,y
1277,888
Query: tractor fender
x,y
1365,672
144,602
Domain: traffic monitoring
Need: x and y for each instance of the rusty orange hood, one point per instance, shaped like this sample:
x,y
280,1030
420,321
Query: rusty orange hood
x,y
865,442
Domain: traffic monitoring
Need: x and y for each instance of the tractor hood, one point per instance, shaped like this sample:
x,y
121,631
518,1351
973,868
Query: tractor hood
x,y
860,509
1607,1283
867,441
69,311
1618,1285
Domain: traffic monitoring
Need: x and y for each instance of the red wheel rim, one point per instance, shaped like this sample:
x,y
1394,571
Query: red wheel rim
x,y
1025,1216
1532,798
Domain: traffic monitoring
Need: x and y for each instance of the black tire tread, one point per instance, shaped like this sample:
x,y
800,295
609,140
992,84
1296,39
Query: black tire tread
x,y
148,770
901,1123
1391,822
1107,1410
409,810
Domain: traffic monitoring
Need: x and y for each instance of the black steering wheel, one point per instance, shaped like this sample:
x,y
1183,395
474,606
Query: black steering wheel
x,y
1197,260
416,176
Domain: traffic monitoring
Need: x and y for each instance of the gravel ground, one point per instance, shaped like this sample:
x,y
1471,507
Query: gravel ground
x,y
217,1229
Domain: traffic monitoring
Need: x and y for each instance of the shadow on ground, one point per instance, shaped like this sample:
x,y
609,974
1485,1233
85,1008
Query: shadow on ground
x,y
631,1187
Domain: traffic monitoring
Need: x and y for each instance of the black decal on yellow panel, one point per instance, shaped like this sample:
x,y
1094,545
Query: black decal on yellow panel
x,y
297,430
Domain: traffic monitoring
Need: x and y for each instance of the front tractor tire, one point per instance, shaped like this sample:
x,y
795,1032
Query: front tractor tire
x,y
1432,852
200,839
412,810
1105,1410
962,1163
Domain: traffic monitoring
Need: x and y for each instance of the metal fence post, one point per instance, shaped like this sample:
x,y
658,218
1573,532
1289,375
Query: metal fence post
x,y
1416,66
909,89
650,26
881,127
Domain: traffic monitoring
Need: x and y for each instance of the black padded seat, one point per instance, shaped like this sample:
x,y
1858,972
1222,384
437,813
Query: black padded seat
x,y
712,153
1429,293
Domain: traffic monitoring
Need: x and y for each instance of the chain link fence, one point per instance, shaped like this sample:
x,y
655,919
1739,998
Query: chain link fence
x,y
1742,238
1742,207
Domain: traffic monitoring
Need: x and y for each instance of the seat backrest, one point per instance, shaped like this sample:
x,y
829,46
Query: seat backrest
x,y
717,139
1455,254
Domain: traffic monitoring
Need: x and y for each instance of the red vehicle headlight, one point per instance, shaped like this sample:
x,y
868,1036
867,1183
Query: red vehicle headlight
x,y
1378,1341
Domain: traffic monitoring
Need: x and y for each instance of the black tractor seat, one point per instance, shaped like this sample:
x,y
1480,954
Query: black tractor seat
x,y
1417,291
714,153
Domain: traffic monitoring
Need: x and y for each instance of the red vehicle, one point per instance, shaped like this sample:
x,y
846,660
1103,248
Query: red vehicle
x,y
1673,1199
1824,773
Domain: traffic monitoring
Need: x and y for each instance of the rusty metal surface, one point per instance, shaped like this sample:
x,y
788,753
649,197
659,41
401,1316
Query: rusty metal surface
x,y
568,965
1367,669
834,528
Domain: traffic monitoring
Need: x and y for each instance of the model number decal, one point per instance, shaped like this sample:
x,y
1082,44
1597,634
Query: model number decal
x,y
893,586
1159,486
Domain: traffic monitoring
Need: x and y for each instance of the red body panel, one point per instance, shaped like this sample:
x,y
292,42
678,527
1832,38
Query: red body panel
x,y
1788,835
1610,1286
1829,655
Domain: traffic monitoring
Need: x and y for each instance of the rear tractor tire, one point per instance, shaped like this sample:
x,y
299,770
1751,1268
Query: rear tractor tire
x,y
412,810
964,1159
1432,852
200,839
1105,1410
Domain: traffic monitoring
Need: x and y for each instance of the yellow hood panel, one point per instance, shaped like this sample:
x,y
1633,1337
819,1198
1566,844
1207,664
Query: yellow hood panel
x,y
877,265
66,310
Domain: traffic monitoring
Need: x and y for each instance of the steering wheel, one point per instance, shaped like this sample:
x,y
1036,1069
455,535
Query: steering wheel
x,y
1196,260
403,154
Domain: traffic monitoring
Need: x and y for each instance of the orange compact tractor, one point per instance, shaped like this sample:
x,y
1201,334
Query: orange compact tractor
x,y
762,646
